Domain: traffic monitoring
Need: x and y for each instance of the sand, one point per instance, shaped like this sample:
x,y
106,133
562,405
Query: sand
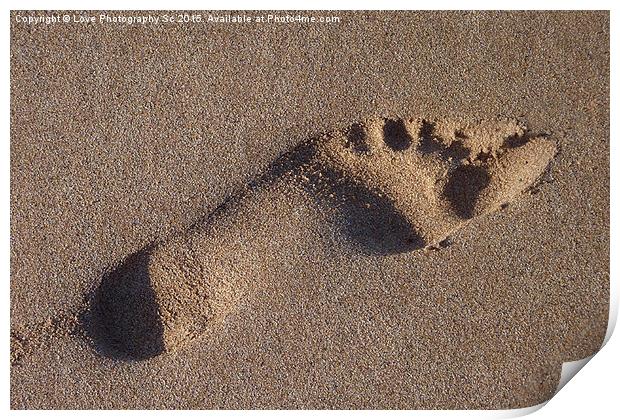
x,y
399,210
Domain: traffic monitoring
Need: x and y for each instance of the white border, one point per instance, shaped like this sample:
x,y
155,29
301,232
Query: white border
x,y
315,5
577,395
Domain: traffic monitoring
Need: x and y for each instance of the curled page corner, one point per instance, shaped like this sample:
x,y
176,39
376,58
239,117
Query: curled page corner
x,y
570,369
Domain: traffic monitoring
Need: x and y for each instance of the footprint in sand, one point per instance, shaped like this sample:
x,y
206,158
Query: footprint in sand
x,y
396,185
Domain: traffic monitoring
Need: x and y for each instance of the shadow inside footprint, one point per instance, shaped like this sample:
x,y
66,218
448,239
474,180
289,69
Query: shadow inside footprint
x,y
357,138
123,318
396,135
464,187
428,142
368,220
373,223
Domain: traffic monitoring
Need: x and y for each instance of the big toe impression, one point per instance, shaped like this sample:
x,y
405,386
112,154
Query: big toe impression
x,y
516,170
482,187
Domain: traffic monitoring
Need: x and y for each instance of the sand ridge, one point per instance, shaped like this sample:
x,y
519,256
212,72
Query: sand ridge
x,y
395,184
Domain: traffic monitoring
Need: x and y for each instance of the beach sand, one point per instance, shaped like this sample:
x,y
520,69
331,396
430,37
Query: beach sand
x,y
398,210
